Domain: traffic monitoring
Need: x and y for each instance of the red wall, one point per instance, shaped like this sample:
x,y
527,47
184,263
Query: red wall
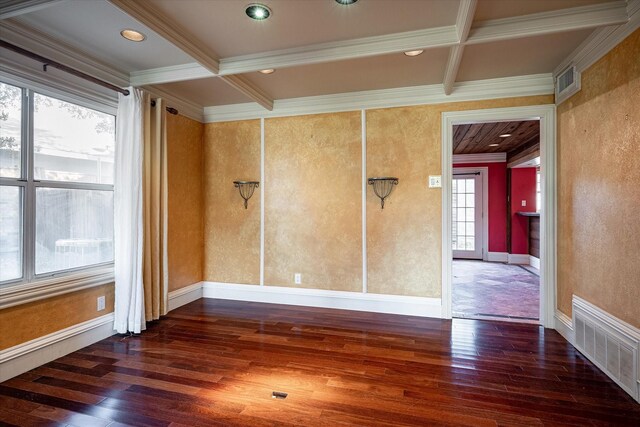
x,y
523,187
497,203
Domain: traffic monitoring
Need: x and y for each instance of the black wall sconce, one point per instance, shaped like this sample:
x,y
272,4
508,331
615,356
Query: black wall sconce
x,y
246,189
382,186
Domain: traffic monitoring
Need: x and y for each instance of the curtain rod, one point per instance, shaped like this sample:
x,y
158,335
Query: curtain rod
x,y
170,110
50,63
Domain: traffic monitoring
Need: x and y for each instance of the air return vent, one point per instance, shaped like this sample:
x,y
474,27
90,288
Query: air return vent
x,y
567,83
610,343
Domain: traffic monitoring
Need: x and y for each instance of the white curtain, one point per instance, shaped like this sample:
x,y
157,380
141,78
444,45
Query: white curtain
x,y
128,221
140,224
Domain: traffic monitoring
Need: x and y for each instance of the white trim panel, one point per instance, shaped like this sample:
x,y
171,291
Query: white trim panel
x,y
498,257
11,295
538,84
460,159
534,262
564,326
185,295
610,343
358,301
521,259
24,357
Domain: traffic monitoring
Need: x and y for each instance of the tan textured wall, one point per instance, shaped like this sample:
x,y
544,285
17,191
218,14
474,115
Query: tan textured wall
x,y
404,253
25,322
313,218
313,201
599,186
185,233
232,234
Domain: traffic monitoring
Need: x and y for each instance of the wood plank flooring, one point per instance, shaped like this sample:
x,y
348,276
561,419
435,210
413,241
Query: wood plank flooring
x,y
216,363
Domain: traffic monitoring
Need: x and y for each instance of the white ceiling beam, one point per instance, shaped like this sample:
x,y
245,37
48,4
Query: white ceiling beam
x,y
13,8
464,20
311,54
346,49
166,28
538,24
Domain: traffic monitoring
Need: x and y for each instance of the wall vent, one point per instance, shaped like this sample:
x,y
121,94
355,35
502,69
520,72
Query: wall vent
x,y
567,83
609,343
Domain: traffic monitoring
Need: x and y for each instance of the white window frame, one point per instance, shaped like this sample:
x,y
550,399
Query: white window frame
x,y
32,287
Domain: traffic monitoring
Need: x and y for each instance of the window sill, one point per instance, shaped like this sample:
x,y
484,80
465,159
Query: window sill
x,y
50,287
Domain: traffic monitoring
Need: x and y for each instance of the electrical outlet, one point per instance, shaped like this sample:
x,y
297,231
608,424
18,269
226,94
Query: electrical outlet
x,y
524,203
297,278
101,303
435,181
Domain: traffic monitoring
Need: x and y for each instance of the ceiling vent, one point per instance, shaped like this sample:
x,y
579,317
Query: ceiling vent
x,y
567,83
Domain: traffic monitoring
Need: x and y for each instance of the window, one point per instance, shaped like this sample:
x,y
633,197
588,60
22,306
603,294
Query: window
x,y
56,186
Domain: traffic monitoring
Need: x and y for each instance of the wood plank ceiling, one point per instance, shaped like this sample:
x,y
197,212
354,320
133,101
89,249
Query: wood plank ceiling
x,y
479,138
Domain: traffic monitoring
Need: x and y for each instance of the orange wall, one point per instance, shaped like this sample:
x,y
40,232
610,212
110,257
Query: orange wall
x,y
25,322
313,203
312,190
599,186
232,233
185,204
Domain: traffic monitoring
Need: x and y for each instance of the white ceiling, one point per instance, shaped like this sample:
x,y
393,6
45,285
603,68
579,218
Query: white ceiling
x,y
317,46
94,26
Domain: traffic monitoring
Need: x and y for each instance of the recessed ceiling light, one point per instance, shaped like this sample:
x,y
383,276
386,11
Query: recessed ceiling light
x,y
268,71
133,35
258,11
414,52
346,2
505,135
493,145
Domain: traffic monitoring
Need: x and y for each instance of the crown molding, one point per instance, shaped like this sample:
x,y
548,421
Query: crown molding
x,y
461,159
312,54
35,41
601,41
12,8
185,108
577,18
539,84
172,73
166,28
346,49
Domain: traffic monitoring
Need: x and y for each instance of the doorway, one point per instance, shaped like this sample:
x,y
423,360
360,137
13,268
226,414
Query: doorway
x,y
545,114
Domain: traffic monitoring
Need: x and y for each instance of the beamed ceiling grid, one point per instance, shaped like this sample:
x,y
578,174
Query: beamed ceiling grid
x,y
456,37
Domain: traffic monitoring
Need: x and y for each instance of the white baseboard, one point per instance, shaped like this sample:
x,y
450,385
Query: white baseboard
x,y
498,257
24,357
564,326
185,295
377,303
522,259
534,262
610,343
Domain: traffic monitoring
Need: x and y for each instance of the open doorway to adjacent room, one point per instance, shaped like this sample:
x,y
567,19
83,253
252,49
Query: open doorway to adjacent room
x,y
495,221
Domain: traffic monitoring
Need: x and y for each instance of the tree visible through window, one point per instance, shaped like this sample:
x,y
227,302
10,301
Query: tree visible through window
x,y
57,212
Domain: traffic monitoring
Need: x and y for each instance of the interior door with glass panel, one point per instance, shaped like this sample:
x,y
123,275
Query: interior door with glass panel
x,y
466,219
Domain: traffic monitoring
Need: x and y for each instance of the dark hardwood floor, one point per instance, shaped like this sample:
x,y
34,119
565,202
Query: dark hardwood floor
x,y
217,363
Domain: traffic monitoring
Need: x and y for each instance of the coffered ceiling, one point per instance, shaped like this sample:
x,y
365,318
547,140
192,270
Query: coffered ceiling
x,y
208,52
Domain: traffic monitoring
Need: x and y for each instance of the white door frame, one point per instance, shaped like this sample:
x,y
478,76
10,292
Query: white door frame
x,y
548,213
484,176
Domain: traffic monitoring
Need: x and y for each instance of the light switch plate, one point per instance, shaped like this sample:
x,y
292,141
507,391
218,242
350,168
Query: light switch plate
x,y
524,203
435,181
